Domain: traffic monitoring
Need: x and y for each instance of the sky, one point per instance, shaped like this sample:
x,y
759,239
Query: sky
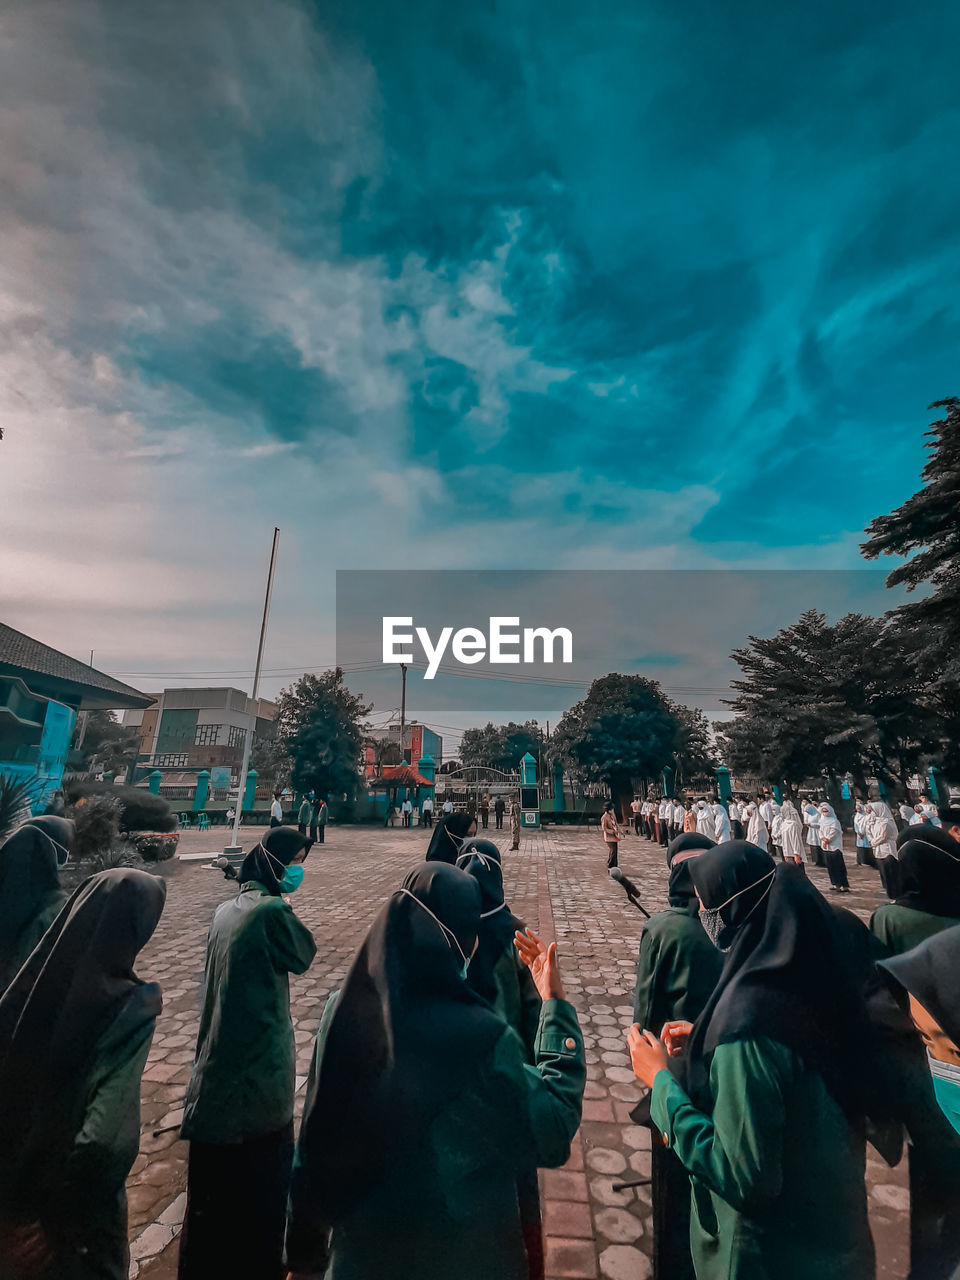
x,y
433,286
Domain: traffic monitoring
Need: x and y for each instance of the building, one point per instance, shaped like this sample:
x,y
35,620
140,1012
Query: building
x,y
41,692
418,741
193,729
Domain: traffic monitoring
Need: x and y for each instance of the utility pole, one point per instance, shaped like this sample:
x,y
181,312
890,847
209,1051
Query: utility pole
x,y
403,706
248,741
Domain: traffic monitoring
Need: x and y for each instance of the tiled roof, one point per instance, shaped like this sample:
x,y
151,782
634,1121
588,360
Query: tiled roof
x,y
29,655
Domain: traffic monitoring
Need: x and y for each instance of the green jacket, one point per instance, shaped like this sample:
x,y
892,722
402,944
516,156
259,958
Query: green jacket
x,y
305,815
30,935
321,815
450,1208
89,1214
777,1173
517,1000
242,1084
677,969
900,929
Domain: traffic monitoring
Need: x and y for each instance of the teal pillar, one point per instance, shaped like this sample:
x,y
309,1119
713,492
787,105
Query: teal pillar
x,y
427,768
938,790
153,782
557,786
724,789
529,817
777,793
250,790
669,775
202,791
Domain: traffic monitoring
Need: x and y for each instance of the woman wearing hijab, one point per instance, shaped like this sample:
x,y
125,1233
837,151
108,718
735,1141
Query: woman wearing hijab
x,y
721,822
791,833
30,891
756,827
238,1114
75,1030
811,820
768,1095
706,824
677,969
864,854
422,1107
881,830
831,842
498,974
929,896
448,836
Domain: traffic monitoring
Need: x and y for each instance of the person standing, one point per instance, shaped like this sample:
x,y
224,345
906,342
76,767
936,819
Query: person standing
x,y
663,820
76,1026
756,827
706,824
406,810
811,820
485,812
276,810
676,818
928,811
238,1112
831,842
31,895
422,1108
791,833
318,827
677,968
881,830
499,808
426,811
689,818
305,815
722,823
864,855
735,811
928,896
610,831
636,805
447,808
515,822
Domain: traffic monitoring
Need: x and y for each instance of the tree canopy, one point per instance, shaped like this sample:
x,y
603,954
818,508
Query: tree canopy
x,y
321,725
501,746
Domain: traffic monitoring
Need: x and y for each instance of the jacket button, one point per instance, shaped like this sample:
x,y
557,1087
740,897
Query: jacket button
x,y
569,1043
666,1139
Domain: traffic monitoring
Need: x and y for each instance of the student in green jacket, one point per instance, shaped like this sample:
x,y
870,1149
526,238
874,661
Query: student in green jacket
x,y
30,892
238,1114
677,969
318,823
767,1114
422,1107
929,896
75,1030
498,974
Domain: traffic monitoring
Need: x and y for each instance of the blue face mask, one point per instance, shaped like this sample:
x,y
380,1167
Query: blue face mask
x,y
946,1086
292,879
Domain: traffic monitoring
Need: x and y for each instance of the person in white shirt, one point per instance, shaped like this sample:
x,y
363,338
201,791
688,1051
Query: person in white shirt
x,y
276,811
864,854
649,828
766,810
721,823
775,825
426,812
928,810
706,822
735,812
811,820
906,813
791,833
756,827
831,842
881,830
447,807
676,819
663,821
406,810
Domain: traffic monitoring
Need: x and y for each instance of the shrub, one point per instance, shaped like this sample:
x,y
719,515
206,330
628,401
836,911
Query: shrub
x,y
17,797
98,827
141,809
154,846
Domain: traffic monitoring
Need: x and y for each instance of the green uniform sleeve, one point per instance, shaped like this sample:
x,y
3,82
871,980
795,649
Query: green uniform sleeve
x,y
643,991
880,932
531,1006
736,1151
294,947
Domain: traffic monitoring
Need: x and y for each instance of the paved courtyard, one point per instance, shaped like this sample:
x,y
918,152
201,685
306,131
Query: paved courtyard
x,y
558,884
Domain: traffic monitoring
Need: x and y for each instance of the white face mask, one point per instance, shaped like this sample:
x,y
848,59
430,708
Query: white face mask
x,y
721,934
449,935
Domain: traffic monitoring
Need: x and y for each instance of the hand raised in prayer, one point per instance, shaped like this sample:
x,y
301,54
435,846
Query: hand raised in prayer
x,y
541,960
674,1036
647,1054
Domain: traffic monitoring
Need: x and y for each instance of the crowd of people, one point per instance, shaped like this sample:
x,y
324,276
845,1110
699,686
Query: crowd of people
x,y
775,1032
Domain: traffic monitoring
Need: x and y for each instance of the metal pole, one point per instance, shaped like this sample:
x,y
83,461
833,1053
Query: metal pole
x,y
403,705
248,741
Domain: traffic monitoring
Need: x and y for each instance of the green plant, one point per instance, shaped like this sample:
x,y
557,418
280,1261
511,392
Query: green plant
x,y
17,798
140,809
98,827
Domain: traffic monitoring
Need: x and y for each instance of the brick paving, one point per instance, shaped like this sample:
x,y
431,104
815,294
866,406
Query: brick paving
x,y
558,884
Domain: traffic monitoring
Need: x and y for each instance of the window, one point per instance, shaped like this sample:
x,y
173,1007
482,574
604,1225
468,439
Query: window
x,y
168,760
207,735
237,736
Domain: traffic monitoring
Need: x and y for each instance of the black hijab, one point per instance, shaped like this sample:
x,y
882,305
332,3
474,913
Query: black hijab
x,y
481,859
77,982
62,831
277,848
929,972
786,974
448,837
406,1036
930,873
29,887
680,890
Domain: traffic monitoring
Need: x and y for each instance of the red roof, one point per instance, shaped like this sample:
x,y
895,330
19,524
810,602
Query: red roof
x,y
401,775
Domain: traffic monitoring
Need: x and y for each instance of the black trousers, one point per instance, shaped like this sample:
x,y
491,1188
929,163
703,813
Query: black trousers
x,y
890,876
613,849
484,818
736,829
664,832
237,1208
636,823
671,1215
499,821
836,868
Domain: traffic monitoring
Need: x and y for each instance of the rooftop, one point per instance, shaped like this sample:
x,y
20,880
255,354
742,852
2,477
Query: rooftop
x,y
56,675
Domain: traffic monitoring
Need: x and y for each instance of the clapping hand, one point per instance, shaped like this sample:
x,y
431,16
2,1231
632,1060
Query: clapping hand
x,y
541,960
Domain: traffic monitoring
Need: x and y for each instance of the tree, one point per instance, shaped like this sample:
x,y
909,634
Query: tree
x,y
502,746
107,741
927,529
271,759
321,726
624,729
693,751
845,698
385,752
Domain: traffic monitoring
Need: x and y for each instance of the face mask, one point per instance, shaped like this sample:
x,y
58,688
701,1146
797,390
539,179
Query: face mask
x,y
292,879
449,936
946,1087
721,934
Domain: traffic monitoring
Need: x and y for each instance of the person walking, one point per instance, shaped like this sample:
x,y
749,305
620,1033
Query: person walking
x,y
76,1026
610,830
499,808
422,1108
238,1112
831,842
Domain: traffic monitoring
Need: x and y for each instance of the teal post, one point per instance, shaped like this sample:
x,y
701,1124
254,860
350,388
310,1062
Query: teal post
x,y
528,778
427,768
777,793
153,782
668,775
558,802
202,791
938,791
250,790
724,789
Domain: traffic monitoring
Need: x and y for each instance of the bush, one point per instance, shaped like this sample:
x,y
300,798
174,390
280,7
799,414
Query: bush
x,y
141,810
17,798
98,827
154,846
118,854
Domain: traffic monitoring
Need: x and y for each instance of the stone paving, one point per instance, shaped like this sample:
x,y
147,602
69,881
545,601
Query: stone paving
x,y
558,884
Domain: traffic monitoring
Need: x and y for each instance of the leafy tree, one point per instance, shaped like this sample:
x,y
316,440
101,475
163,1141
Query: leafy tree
x,y
385,752
624,729
106,741
926,528
693,751
502,746
271,759
844,698
321,725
